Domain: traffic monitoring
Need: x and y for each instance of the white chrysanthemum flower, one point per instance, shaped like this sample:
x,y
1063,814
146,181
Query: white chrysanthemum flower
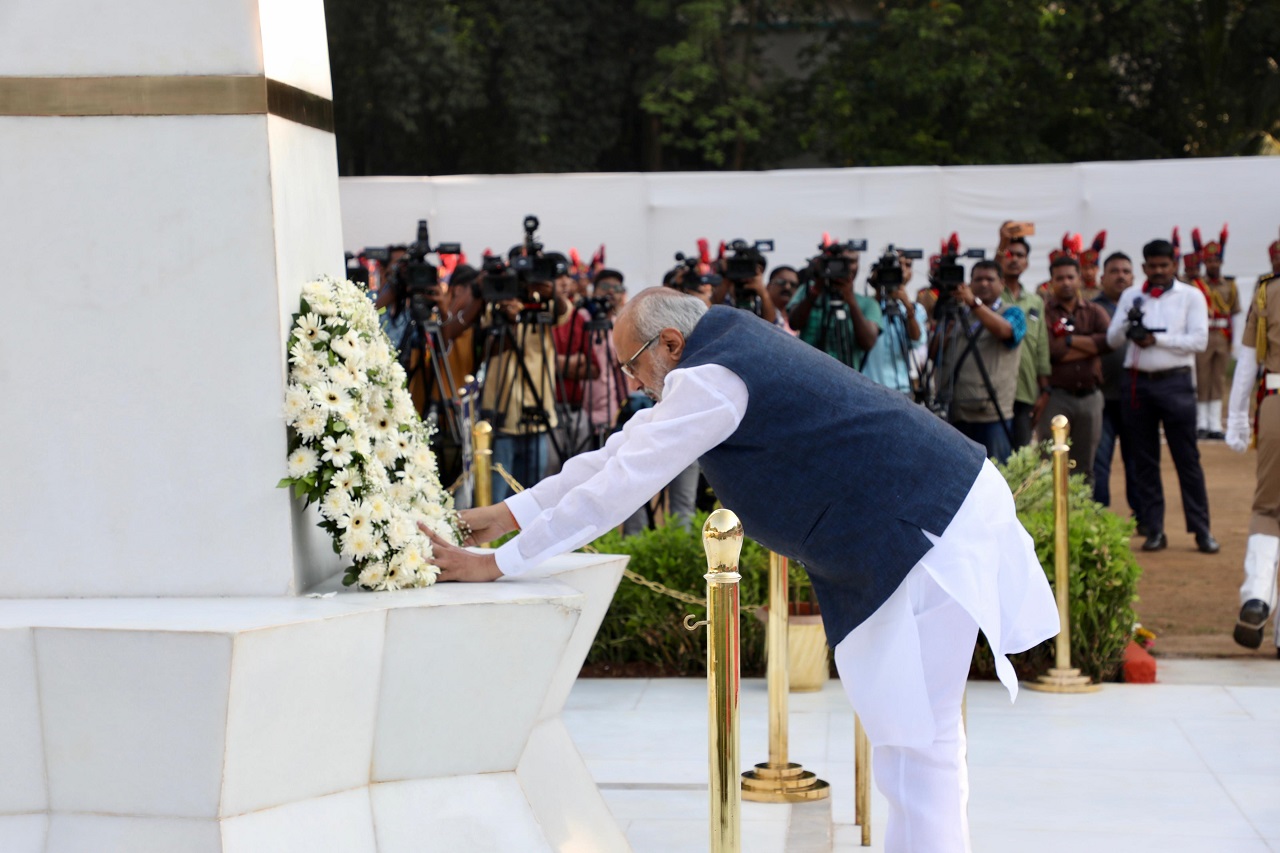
x,y
318,289
404,443
339,450
336,504
378,354
348,479
323,305
358,518
348,346
381,425
311,423
402,410
358,545
424,458
401,531
310,328
331,397
399,494
345,376
302,462
308,373
303,353
296,401
379,508
373,574
386,452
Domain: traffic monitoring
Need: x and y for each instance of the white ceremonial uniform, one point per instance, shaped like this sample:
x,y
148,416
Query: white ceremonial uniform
x,y
904,668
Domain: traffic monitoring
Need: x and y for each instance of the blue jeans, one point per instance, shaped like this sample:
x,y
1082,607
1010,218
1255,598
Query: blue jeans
x,y
993,436
524,457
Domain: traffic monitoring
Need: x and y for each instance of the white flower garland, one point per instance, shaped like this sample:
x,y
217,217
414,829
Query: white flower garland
x,y
356,444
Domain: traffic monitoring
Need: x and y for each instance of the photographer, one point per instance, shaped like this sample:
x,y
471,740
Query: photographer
x,y
891,361
830,316
998,331
742,283
1077,337
1032,396
576,365
1165,323
519,364
783,282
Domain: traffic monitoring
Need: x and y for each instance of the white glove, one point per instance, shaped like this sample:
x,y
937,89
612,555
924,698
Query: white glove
x,y
1238,407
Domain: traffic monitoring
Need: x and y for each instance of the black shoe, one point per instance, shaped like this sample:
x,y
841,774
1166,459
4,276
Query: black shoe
x,y
1253,616
1156,542
1207,544
1216,436
1143,529
1202,434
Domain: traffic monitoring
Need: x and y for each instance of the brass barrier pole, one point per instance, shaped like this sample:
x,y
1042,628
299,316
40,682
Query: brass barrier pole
x,y
722,540
862,779
482,464
1062,677
778,780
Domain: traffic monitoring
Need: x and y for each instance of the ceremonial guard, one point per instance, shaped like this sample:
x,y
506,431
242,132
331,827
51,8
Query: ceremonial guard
x,y
1274,251
1191,265
1258,377
1089,258
1223,299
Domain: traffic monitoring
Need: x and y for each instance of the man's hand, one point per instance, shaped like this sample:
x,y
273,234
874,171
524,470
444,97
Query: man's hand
x,y
459,564
1238,433
965,295
511,308
1037,408
1148,341
486,523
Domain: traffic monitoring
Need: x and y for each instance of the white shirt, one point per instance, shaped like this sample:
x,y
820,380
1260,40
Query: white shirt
x,y
1180,311
595,492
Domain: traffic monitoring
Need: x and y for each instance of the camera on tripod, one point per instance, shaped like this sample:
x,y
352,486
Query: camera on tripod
x,y
887,273
832,265
687,275
419,277
1136,328
950,274
505,280
747,258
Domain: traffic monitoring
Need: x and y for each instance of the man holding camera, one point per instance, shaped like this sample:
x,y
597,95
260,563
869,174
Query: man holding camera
x,y
1077,337
980,354
891,361
1165,323
829,315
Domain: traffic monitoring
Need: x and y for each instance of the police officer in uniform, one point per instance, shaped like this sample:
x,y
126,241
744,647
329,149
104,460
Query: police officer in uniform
x,y
1223,299
1258,376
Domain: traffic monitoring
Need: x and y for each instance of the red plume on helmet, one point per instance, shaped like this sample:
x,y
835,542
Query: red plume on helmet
x,y
723,246
1089,257
1099,241
1215,249
576,260
597,260
826,239
448,263
1177,243
1195,240
952,246
704,250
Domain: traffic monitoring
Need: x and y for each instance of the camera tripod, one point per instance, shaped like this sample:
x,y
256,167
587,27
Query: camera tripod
x,y
895,324
837,335
946,342
581,428
501,386
424,339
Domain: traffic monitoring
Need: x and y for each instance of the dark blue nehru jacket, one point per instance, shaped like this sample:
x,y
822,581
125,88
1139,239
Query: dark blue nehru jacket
x,y
828,467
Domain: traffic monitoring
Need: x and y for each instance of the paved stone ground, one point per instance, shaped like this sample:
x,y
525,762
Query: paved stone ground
x,y
1190,764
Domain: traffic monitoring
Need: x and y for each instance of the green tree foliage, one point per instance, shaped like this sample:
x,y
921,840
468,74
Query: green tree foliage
x,y
436,87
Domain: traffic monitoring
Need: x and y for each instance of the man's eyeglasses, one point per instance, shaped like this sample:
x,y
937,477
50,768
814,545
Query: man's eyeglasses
x,y
628,366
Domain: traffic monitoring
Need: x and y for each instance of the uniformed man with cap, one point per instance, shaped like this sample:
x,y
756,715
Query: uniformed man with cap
x,y
1258,377
1223,299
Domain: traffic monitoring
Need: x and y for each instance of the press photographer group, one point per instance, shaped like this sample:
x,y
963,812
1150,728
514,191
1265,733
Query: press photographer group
x,y
993,356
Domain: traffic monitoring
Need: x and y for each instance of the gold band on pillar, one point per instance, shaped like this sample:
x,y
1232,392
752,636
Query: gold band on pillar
x,y
173,95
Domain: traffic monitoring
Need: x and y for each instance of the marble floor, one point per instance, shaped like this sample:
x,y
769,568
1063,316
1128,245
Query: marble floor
x,y
1190,764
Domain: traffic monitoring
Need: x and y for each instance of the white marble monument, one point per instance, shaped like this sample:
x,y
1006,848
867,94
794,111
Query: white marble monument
x,y
167,184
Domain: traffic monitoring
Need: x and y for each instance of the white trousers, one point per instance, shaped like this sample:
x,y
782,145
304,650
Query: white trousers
x,y
904,668
927,785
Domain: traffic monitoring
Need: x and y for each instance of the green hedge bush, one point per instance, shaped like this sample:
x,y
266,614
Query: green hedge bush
x,y
646,628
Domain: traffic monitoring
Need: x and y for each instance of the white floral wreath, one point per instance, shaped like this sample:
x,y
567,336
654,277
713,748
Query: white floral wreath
x,y
356,444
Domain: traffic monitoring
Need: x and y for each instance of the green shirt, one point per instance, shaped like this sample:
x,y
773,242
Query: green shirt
x,y
826,331
1035,346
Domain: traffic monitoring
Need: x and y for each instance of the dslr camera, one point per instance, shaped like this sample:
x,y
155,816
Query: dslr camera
x,y
832,265
1136,328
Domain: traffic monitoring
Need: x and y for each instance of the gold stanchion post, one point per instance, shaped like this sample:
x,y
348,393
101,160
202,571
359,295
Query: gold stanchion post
x,y
722,540
862,779
482,463
1062,677
778,780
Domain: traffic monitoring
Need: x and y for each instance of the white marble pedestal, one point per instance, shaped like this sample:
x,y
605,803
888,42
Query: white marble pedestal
x,y
364,723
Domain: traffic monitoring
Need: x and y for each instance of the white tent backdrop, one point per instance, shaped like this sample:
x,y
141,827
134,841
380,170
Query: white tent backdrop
x,y
644,218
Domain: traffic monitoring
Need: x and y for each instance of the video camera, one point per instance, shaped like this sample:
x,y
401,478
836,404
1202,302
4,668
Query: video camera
x,y
356,271
686,277
747,259
832,265
886,273
1137,329
504,280
413,275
